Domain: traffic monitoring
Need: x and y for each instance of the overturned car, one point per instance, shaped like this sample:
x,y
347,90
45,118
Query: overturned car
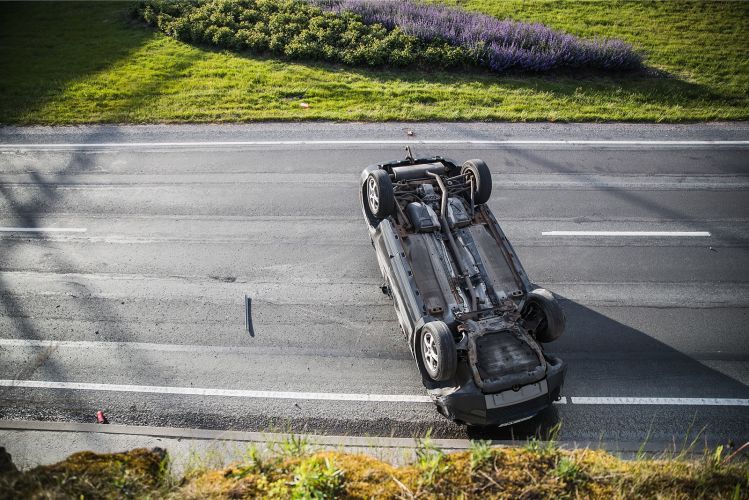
x,y
472,319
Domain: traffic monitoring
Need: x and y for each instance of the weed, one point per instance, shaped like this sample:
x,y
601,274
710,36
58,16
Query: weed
x,y
481,453
293,446
547,446
716,457
430,459
252,462
165,473
687,447
316,478
640,455
198,462
569,471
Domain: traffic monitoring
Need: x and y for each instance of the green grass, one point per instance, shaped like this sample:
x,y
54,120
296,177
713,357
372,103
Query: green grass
x,y
65,63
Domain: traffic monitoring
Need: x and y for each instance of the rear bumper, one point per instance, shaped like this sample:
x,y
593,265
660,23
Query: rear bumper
x,y
469,405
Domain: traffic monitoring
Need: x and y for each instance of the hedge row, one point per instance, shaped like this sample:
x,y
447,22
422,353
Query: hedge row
x,y
296,30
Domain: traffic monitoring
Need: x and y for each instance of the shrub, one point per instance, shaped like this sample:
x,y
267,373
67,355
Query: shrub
x,y
390,33
296,30
488,41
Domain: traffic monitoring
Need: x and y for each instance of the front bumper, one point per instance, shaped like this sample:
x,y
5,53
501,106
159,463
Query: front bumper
x,y
468,405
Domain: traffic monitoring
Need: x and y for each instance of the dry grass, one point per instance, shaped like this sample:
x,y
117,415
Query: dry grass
x,y
529,472
133,474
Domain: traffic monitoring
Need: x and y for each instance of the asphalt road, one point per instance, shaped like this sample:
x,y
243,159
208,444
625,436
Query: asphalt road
x,y
181,222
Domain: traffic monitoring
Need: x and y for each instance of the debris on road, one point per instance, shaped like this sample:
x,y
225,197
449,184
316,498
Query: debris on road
x,y
101,418
248,315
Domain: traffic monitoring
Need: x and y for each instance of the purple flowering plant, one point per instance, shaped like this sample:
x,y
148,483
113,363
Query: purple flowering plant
x,y
382,33
497,44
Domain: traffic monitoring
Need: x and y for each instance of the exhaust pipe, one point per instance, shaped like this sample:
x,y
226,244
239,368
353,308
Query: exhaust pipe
x,y
451,241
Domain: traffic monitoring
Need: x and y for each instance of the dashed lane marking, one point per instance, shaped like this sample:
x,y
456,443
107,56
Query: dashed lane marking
x,y
581,400
677,234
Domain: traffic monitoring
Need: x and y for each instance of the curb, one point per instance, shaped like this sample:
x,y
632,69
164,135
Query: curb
x,y
366,442
228,435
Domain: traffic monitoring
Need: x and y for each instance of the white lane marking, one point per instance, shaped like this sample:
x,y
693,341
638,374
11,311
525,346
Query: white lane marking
x,y
679,234
148,346
43,229
580,400
196,391
144,346
573,142
340,396
140,346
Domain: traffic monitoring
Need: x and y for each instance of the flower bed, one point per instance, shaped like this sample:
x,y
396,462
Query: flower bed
x,y
383,33
497,44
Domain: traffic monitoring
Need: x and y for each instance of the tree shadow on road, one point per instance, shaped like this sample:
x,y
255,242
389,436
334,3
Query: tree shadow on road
x,y
30,211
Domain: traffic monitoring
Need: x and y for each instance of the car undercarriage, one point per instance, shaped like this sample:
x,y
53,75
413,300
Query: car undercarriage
x,y
473,321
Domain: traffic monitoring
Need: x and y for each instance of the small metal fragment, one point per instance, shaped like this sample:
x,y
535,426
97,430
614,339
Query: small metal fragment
x,y
248,315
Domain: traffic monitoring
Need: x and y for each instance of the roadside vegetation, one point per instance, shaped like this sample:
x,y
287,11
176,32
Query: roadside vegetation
x,y
292,470
93,62
383,33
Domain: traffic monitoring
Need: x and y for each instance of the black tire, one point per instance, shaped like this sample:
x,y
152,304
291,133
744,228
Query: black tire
x,y
541,308
379,195
437,351
482,178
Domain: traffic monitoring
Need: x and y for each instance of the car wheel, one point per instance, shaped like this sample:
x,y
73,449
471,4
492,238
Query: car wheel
x,y
543,312
437,349
380,196
482,179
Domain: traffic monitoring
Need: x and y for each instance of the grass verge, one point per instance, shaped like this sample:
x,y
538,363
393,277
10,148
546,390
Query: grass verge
x,y
482,472
68,63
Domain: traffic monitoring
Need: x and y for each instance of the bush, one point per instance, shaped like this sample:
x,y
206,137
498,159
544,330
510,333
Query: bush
x,y
391,33
488,41
296,30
